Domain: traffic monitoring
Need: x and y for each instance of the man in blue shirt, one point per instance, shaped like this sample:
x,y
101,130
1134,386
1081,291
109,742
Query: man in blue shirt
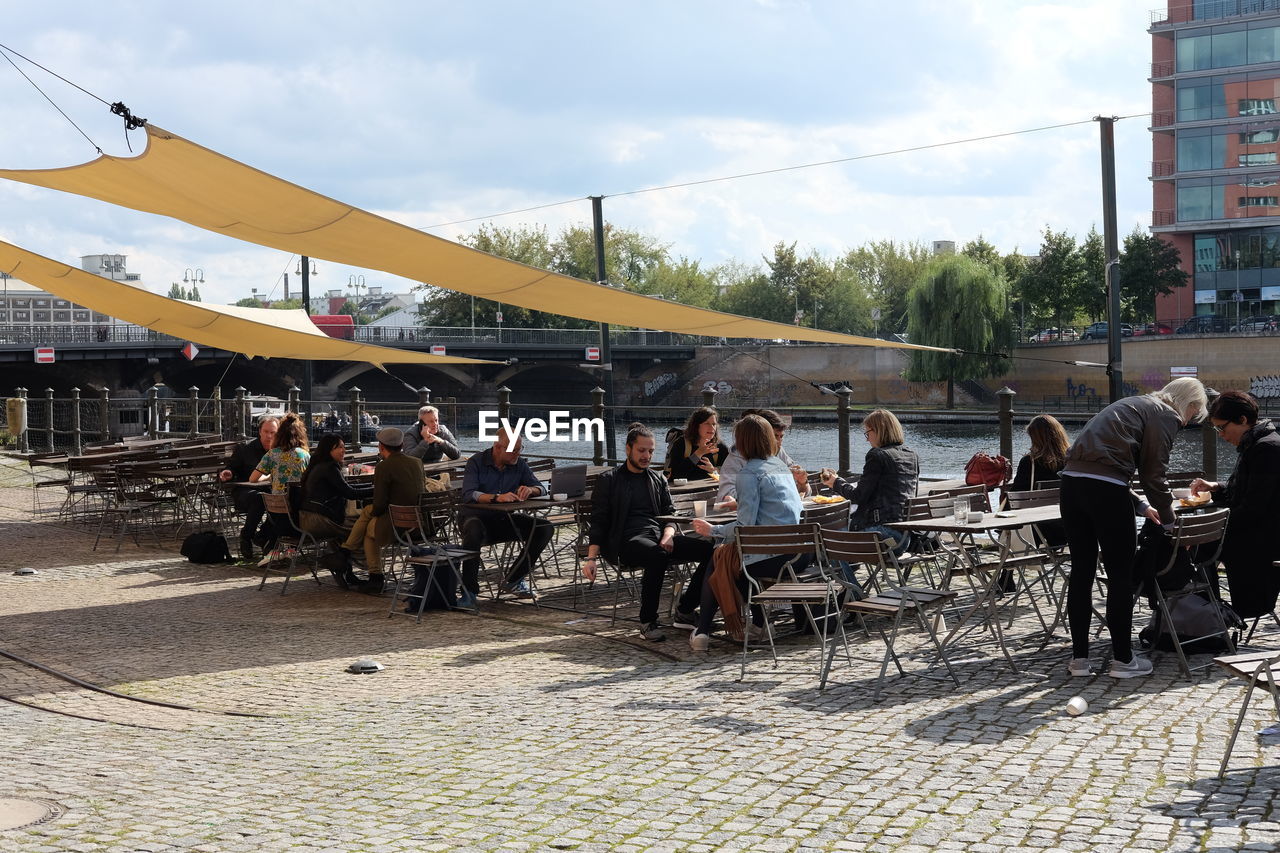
x,y
497,476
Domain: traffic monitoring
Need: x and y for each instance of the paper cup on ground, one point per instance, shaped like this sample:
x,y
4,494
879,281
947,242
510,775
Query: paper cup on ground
x,y
1077,706
699,509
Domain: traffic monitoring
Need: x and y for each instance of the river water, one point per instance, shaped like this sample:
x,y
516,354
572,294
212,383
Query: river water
x,y
943,448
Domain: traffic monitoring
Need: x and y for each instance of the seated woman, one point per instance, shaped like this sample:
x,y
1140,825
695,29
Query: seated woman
x,y
287,458
1043,463
766,495
890,477
1250,547
325,492
698,452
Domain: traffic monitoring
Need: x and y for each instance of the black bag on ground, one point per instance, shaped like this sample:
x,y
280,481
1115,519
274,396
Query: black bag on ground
x,y
441,591
1193,616
206,547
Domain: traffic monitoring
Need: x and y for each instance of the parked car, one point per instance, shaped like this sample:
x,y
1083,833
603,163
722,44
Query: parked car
x,y
1098,331
1204,324
1152,329
1259,323
1047,335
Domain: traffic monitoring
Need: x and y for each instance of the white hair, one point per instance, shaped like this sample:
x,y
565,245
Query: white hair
x,y
426,410
1185,396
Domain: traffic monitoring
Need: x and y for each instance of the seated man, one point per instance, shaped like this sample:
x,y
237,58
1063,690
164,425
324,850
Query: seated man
x,y
498,475
396,480
625,505
430,440
728,491
248,500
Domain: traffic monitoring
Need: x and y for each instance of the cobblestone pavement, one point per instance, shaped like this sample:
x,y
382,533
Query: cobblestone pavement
x,y
532,729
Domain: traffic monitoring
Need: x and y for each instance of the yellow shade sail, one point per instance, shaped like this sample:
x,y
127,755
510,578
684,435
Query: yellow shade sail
x,y
177,178
253,331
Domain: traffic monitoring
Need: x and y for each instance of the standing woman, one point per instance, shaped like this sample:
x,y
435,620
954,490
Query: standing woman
x,y
1098,508
698,452
890,477
1250,546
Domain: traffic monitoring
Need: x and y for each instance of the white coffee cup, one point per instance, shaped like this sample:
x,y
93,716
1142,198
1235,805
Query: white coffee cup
x,y
1181,494
679,481
560,496
1077,706
699,509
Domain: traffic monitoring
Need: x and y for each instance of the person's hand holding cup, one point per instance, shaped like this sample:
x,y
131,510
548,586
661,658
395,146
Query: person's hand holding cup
x,y
701,526
828,477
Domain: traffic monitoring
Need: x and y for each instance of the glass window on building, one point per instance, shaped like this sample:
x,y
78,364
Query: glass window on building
x,y
1196,201
22,303
22,316
1209,250
4,316
1197,99
1264,44
1226,46
62,316
80,316
41,316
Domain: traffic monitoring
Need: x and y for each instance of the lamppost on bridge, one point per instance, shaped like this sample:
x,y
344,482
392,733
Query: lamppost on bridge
x,y
193,277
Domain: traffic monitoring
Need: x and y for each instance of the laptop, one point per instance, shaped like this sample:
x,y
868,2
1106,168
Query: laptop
x,y
570,480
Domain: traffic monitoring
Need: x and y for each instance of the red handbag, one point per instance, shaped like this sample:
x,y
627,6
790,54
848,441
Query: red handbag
x,y
990,471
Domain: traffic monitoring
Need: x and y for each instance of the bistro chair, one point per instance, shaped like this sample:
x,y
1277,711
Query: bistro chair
x,y
297,541
417,548
1255,669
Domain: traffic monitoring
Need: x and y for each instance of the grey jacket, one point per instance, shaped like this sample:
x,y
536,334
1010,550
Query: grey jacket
x,y
1133,435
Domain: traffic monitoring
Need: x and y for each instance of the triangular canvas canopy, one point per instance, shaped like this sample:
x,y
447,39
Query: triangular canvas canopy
x,y
252,331
177,178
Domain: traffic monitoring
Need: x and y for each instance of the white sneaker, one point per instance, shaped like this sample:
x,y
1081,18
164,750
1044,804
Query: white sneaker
x,y
269,558
699,642
1135,668
1080,667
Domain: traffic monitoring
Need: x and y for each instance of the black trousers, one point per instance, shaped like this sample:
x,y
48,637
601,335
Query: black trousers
x,y
644,551
486,528
1098,517
249,502
766,568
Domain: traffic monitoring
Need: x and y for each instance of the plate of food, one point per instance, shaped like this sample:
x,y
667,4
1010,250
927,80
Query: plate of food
x,y
826,499
1196,500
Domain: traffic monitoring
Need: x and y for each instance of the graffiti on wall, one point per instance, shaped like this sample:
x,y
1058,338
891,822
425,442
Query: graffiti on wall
x,y
1264,386
657,383
1082,390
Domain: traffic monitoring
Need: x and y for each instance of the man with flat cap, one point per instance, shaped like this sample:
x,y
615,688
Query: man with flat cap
x,y
396,480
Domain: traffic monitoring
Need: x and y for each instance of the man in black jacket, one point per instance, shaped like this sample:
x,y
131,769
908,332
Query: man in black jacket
x,y
625,504
248,500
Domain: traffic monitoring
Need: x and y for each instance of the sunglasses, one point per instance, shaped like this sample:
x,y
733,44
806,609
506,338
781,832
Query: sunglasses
x,y
1220,429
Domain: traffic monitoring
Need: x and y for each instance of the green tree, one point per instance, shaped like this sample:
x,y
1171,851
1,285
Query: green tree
x,y
250,302
177,291
1149,267
194,295
1092,295
353,310
958,303
887,270
1053,281
983,252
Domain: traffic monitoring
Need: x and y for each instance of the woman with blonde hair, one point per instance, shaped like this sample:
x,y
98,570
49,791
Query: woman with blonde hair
x,y
890,477
1133,435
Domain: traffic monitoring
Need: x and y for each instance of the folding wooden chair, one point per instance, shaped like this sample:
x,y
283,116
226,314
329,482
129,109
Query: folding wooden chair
x,y
1193,531
794,541
292,537
895,604
1256,669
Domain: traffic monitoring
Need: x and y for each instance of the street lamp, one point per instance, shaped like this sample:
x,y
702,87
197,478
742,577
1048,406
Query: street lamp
x,y
195,276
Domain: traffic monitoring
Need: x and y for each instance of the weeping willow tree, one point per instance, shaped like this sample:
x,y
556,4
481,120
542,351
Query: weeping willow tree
x,y
962,304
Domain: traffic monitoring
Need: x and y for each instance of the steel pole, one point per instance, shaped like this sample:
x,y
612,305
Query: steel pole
x,y
606,353
1111,245
307,377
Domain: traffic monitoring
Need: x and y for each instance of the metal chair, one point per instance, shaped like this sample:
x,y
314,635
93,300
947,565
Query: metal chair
x,y
1192,531
295,539
1256,669
414,532
895,604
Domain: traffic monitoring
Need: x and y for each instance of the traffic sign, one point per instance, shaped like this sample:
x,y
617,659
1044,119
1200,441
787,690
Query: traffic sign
x,y
190,351
437,349
593,353
44,355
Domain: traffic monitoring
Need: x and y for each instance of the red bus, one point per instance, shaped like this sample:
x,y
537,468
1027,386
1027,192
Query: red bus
x,y
341,326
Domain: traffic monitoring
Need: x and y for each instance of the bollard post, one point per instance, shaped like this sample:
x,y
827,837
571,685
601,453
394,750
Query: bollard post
x,y
77,440
424,396
153,411
193,395
294,395
24,444
597,411
709,397
217,411
504,402
1006,395
1209,441
842,420
104,414
242,414
355,416
48,411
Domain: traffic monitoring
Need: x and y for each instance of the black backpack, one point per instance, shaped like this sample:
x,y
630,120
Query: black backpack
x,y
206,547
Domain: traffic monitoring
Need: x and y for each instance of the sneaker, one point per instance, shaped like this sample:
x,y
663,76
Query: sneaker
x,y
699,642
653,632
373,586
757,633
519,589
1080,667
688,621
1136,667
466,601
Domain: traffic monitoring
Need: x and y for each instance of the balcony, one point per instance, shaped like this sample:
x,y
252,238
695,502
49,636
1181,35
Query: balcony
x,y
1183,13
1161,70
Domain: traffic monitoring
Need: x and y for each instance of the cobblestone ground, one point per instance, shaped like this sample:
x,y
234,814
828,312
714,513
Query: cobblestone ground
x,y
532,729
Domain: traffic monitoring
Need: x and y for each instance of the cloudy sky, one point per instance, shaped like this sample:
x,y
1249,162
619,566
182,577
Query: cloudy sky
x,y
432,112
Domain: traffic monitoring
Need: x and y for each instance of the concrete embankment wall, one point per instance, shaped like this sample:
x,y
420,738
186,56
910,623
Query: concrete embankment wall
x,y
779,375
